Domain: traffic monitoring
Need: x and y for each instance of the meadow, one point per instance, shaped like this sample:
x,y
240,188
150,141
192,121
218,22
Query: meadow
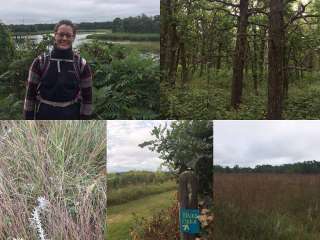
x,y
52,180
136,195
266,206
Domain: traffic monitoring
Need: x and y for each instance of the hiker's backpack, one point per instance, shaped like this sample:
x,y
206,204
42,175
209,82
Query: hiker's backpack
x,y
45,58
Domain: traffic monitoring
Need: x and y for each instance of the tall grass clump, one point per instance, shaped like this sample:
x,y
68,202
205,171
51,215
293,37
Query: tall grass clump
x,y
61,162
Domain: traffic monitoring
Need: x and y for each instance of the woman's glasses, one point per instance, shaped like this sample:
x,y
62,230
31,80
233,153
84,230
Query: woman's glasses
x,y
67,35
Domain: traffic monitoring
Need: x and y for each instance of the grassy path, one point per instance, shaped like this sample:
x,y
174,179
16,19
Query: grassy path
x,y
120,217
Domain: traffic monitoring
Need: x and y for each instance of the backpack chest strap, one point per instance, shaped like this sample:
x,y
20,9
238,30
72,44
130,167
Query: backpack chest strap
x,y
58,60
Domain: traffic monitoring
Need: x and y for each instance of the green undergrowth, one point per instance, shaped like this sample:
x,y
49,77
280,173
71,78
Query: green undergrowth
x,y
209,97
233,223
126,36
122,217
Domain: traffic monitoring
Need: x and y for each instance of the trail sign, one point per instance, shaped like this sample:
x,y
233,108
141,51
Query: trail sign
x,y
189,222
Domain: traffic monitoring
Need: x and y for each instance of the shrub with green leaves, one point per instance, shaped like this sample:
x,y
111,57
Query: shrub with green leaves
x,y
126,83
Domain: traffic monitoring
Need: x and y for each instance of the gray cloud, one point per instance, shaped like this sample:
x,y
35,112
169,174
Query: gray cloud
x,y
123,152
39,11
249,143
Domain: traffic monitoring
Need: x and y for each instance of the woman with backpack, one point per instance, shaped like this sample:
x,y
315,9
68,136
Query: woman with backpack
x,y
60,82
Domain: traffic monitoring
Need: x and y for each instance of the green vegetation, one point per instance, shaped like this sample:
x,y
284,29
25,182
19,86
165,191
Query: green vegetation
x,y
241,59
144,47
136,194
186,145
133,192
6,48
266,206
128,186
62,162
140,24
163,225
126,36
208,97
126,82
122,218
118,180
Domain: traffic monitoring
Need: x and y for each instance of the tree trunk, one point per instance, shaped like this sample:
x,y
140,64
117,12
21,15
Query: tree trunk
x,y
276,60
184,71
218,67
173,55
261,54
239,55
254,60
164,30
168,42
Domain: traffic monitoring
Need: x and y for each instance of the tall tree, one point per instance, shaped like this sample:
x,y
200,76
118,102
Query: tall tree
x,y
239,55
276,59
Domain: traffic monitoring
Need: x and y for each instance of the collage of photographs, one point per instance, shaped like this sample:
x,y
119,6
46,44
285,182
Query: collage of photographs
x,y
160,120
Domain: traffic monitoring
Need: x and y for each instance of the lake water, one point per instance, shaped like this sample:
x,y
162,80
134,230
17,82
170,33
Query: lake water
x,y
80,38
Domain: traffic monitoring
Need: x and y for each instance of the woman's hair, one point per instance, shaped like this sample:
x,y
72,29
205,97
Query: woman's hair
x,y
68,23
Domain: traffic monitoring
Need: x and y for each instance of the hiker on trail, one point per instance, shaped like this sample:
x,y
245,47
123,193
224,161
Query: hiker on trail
x,y
60,82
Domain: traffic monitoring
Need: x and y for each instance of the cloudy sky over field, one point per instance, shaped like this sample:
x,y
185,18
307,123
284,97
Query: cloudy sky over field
x,y
39,11
123,152
250,143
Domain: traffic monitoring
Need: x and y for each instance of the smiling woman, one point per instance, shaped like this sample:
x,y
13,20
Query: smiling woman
x,y
60,81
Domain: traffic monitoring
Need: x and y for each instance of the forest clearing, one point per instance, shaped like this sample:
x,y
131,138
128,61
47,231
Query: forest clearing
x,y
240,59
266,206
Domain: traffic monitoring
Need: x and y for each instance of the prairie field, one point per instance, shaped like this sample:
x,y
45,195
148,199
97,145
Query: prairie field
x,y
267,206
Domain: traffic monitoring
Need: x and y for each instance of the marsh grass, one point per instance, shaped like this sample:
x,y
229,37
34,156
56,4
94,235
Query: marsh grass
x,y
123,36
62,161
267,206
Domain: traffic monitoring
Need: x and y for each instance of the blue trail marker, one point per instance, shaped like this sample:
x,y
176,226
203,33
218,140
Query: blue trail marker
x,y
189,222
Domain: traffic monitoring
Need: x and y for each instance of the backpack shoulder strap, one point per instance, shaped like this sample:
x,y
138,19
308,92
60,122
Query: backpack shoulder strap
x,y
44,60
80,63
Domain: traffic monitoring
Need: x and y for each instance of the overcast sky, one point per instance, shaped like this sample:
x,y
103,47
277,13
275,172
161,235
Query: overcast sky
x,y
123,152
249,143
44,11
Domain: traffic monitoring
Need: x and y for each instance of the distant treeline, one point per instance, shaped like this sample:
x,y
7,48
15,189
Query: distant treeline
x,y
50,26
117,180
139,24
300,167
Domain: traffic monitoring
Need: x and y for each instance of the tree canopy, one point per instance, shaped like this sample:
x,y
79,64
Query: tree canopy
x,y
186,145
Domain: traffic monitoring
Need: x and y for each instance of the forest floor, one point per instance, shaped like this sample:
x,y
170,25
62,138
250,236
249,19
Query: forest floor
x,y
209,97
267,206
121,217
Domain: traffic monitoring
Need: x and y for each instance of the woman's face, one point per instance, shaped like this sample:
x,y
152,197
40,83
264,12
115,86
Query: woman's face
x,y
64,37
